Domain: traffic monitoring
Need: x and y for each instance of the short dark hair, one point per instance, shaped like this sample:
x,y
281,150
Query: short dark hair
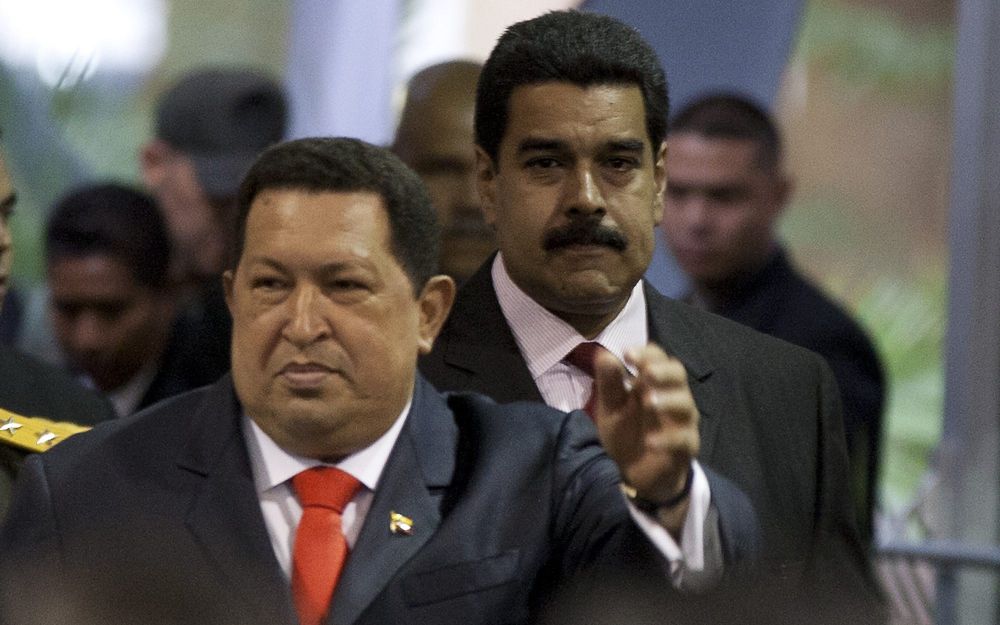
x,y
584,49
726,115
350,165
116,220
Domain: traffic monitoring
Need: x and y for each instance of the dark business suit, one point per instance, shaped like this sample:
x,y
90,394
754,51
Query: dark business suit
x,y
507,502
770,413
779,301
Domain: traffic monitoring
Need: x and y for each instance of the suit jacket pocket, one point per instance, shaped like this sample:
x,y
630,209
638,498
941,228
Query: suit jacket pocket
x,y
459,579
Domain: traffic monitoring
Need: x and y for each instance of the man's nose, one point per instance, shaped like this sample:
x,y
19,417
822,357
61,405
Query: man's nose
x,y
694,208
583,195
88,334
306,324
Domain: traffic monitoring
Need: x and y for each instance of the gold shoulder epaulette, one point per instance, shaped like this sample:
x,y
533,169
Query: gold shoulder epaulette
x,y
34,433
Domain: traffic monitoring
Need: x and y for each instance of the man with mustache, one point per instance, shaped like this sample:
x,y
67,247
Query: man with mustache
x,y
571,115
325,480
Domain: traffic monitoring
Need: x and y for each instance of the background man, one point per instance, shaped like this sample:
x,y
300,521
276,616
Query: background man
x,y
113,307
210,125
571,116
435,139
29,387
726,190
456,509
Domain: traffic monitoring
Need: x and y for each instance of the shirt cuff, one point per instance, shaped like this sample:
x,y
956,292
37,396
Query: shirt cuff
x,y
690,554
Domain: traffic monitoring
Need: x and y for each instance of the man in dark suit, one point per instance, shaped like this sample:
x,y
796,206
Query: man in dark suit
x,y
111,301
727,188
570,123
461,510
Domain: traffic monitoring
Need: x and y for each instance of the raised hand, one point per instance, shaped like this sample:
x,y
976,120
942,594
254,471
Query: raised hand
x,y
648,423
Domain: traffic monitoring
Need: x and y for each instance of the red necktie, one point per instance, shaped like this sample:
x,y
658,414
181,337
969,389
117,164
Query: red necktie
x,y
320,547
582,357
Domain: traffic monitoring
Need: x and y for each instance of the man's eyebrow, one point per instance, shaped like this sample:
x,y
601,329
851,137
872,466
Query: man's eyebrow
x,y
533,144
626,145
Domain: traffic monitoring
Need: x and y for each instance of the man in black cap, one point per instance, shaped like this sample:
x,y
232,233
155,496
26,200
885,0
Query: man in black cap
x,y
210,125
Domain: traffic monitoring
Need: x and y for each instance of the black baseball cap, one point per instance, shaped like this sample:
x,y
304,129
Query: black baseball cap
x,y
222,118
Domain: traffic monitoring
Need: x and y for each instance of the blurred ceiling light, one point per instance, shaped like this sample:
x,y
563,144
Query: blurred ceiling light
x,y
69,41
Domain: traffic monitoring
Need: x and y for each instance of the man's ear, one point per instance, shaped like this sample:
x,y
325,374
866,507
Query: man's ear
x,y
153,158
435,303
782,186
486,184
227,288
660,179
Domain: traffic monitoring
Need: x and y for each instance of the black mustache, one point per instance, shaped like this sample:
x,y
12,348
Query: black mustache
x,y
584,233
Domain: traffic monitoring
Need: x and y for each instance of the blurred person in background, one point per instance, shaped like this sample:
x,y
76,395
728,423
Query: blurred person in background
x,y
30,388
112,304
210,126
726,190
435,138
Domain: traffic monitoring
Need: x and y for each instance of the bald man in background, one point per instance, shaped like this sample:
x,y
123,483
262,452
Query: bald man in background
x,y
435,138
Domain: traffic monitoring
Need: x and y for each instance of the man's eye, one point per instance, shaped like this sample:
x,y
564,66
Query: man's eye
x,y
543,162
348,285
726,196
676,193
622,163
267,283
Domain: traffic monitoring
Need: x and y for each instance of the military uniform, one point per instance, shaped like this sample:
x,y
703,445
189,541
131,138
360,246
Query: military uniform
x,y
48,396
19,436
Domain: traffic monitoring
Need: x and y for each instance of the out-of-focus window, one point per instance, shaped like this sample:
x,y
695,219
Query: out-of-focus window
x,y
866,108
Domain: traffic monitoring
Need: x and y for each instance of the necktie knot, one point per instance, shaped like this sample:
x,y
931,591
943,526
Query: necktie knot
x,y
584,355
325,487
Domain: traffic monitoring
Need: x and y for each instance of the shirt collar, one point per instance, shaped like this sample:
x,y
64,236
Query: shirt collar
x,y
545,339
127,397
273,466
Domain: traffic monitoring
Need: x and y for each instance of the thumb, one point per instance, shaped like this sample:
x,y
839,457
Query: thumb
x,y
609,379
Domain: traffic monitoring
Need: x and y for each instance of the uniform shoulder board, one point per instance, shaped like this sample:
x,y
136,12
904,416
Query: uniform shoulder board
x,y
34,434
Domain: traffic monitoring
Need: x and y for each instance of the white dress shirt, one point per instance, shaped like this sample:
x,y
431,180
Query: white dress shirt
x,y
273,469
544,340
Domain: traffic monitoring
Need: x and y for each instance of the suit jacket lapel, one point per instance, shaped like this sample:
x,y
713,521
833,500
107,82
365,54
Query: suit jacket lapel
x,y
480,342
412,484
224,513
670,328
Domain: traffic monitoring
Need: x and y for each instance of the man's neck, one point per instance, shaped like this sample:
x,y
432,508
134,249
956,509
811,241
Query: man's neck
x,y
718,295
589,326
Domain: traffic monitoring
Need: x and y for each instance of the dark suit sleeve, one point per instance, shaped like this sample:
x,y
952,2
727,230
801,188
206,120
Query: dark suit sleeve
x,y
29,537
595,528
738,525
839,549
594,538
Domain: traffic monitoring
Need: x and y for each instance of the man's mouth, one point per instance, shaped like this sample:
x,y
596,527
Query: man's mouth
x,y
305,374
